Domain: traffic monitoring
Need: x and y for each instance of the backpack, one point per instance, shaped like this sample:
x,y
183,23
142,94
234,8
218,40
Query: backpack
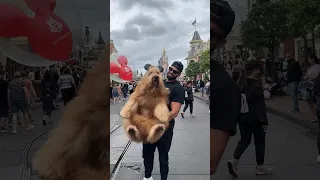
x,y
244,104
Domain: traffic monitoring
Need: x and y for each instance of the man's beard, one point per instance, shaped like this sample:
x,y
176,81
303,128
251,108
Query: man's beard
x,y
171,78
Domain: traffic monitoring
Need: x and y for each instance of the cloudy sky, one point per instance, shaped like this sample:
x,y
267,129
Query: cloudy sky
x,y
141,28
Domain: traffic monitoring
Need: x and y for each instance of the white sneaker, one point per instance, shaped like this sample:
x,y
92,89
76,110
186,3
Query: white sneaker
x,y
150,178
192,115
318,159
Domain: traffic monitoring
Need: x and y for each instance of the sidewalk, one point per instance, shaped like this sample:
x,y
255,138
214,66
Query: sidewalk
x,y
280,106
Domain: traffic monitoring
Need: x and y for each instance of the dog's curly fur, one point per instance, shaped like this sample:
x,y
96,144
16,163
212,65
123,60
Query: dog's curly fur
x,y
146,115
78,149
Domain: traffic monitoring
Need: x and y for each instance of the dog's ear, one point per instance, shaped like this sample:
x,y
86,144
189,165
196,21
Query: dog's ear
x,y
147,66
160,68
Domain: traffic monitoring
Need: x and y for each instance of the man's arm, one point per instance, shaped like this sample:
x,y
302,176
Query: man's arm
x,y
224,113
176,102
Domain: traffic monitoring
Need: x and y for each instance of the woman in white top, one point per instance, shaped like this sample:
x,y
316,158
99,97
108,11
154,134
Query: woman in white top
x,y
310,76
67,86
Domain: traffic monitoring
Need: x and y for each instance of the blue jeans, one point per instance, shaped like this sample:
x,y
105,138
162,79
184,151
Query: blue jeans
x,y
294,86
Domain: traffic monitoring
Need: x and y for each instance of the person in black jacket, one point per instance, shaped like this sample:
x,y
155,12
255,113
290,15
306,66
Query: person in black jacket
x,y
188,99
294,75
252,122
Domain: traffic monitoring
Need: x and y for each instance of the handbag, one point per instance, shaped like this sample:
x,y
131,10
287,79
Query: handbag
x,y
308,84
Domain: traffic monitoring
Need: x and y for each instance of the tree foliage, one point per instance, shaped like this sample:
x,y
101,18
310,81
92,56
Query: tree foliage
x,y
265,26
303,16
193,69
204,61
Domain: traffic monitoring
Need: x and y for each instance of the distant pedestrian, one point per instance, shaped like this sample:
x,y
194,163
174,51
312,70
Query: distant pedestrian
x,y
31,93
188,99
47,107
18,99
317,101
4,105
308,82
67,86
115,94
294,74
253,120
130,88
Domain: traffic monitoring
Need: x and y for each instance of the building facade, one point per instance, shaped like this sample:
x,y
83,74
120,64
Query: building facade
x,y
197,46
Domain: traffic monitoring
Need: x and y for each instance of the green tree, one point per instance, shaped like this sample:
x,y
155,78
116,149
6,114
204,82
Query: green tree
x,y
193,70
204,62
303,17
265,26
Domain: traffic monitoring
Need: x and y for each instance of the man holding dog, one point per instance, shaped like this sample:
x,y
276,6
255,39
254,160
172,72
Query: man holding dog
x,y
176,99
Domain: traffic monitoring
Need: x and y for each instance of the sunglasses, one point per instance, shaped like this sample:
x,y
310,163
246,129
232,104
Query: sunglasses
x,y
174,71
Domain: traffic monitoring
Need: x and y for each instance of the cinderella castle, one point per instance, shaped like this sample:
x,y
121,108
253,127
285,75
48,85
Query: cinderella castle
x,y
163,61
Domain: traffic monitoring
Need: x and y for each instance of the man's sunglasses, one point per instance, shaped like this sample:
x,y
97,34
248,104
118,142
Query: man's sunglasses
x,y
174,71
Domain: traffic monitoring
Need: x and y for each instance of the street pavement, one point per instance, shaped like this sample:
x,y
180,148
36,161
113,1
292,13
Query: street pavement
x,y
189,154
290,146
17,149
290,151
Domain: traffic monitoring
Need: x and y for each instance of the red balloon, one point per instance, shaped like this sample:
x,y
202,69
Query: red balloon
x,y
122,60
50,37
114,68
41,6
126,73
12,21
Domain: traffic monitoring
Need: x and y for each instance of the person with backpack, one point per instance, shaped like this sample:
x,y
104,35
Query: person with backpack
x,y
253,119
188,99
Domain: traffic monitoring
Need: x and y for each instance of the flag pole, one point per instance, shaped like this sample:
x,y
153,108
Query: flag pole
x,y
195,25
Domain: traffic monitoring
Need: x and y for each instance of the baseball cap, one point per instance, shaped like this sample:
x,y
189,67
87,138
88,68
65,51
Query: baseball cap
x,y
178,65
222,15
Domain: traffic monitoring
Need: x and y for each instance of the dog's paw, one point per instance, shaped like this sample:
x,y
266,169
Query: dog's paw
x,y
133,133
161,112
156,132
124,114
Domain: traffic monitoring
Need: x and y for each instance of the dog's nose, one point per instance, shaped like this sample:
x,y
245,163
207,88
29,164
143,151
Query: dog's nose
x,y
156,78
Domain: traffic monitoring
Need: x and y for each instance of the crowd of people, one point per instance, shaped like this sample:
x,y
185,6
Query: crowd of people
x,y
121,89
18,95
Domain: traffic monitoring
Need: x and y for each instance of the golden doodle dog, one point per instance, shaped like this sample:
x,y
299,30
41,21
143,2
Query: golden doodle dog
x,y
146,115
78,148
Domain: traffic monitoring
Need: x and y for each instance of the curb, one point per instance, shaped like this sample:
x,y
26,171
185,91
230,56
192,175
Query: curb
x,y
293,119
285,116
207,101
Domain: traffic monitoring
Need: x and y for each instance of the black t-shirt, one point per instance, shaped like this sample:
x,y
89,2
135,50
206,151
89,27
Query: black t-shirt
x,y
176,94
224,100
3,93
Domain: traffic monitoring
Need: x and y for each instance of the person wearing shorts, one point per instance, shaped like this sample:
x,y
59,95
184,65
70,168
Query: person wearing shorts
x,y
115,94
17,93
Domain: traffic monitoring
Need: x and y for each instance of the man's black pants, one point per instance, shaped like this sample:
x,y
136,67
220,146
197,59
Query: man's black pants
x,y
247,129
187,104
163,146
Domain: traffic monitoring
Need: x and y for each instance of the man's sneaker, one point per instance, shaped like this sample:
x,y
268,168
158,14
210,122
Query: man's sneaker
x,y
233,167
32,122
262,170
192,115
150,178
318,159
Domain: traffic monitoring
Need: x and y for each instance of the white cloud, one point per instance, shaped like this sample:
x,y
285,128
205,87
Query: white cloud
x,y
140,29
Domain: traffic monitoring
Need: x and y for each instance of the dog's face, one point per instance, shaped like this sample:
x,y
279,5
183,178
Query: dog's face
x,y
152,80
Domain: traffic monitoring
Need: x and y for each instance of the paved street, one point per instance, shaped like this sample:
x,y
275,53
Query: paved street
x,y
17,150
189,154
